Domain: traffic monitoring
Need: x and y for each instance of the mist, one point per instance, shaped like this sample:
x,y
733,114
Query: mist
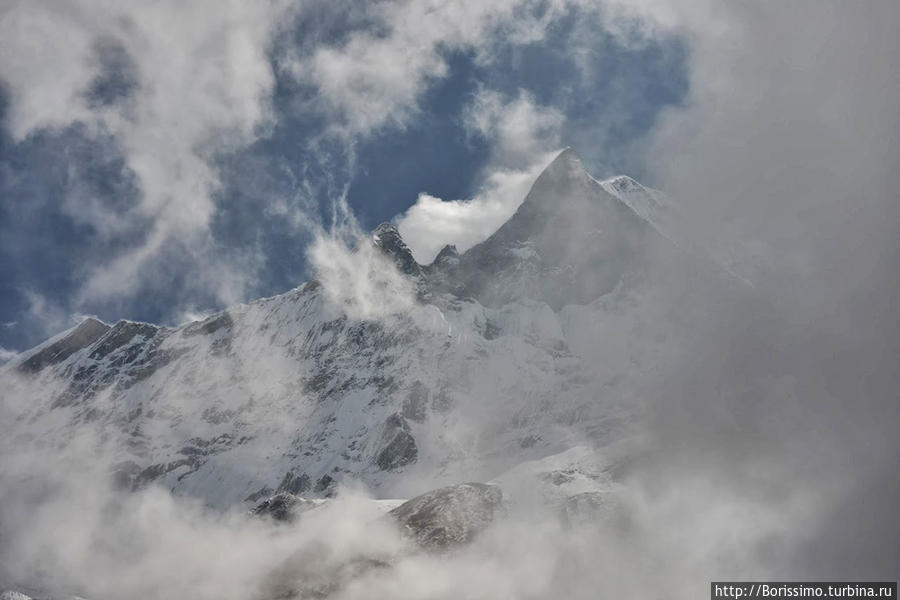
x,y
789,150
755,441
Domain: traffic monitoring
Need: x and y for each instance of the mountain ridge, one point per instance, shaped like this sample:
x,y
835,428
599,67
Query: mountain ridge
x,y
497,360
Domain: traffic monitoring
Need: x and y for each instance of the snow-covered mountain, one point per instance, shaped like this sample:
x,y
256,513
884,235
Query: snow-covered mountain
x,y
526,346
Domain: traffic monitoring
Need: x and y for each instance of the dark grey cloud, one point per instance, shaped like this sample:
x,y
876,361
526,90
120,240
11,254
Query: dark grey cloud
x,y
787,145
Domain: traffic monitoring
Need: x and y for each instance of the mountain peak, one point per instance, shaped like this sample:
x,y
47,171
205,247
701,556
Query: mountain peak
x,y
566,163
448,254
61,347
621,183
558,181
385,229
570,241
647,203
388,238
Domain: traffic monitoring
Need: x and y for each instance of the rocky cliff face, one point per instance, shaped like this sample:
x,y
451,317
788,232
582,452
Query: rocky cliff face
x,y
505,353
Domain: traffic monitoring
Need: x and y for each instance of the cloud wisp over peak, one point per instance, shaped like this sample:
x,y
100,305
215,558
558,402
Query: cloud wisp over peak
x,y
178,150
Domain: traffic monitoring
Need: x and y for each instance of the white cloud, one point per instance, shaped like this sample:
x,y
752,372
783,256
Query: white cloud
x,y
524,139
7,355
360,281
431,223
52,317
788,138
357,278
519,128
784,147
202,85
375,79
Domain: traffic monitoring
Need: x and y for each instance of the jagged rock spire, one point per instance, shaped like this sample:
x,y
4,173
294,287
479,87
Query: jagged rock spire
x,y
447,255
387,237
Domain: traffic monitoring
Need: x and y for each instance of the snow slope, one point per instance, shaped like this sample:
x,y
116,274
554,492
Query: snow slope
x,y
526,346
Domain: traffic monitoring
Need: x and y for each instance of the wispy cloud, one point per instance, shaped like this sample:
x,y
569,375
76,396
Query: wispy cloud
x,y
6,355
788,142
376,77
523,137
172,85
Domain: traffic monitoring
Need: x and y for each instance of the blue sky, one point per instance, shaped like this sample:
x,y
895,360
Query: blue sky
x,y
97,218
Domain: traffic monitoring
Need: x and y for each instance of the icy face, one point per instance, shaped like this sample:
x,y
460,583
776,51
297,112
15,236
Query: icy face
x,y
570,242
505,353
649,204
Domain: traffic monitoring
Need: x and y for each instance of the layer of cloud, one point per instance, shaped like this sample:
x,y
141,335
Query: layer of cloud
x,y
67,529
357,278
788,143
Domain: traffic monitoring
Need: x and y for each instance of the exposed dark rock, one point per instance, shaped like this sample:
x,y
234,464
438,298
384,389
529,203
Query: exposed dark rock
x,y
398,447
148,474
491,331
283,506
325,485
263,492
442,400
558,477
118,359
120,335
209,326
528,441
388,239
416,402
154,472
449,516
200,447
448,256
441,274
400,451
294,484
87,332
317,572
124,474
155,360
